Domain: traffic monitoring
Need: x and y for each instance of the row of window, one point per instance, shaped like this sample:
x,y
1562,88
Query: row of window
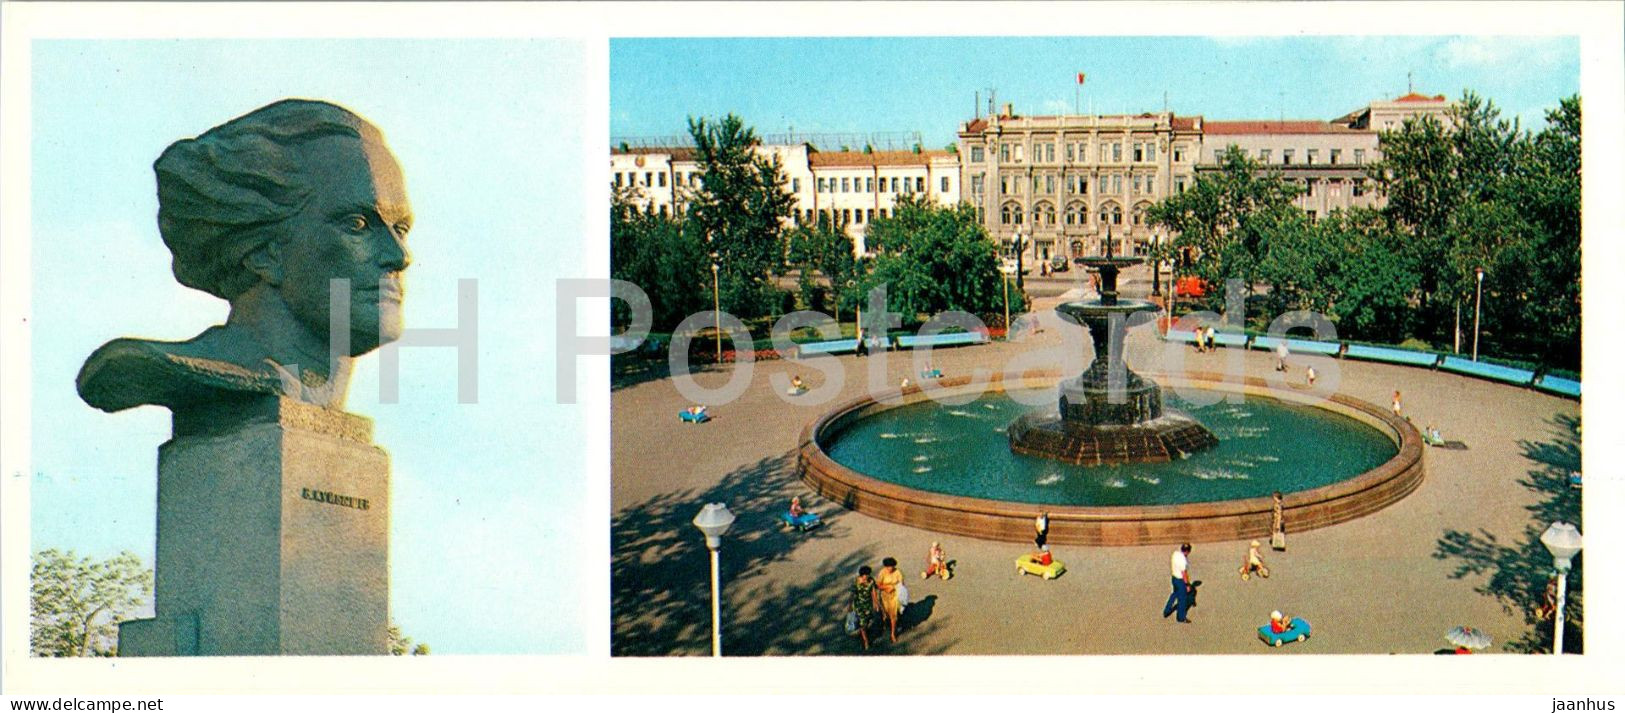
x,y
1139,184
1311,157
903,184
1108,152
843,216
1076,214
655,179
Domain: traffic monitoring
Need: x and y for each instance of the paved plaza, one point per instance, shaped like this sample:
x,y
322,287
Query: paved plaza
x,y
1372,585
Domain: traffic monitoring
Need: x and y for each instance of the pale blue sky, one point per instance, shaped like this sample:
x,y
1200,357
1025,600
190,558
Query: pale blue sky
x,y
872,84
490,499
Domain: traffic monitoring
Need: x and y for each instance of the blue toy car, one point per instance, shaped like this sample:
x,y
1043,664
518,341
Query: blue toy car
x,y
1297,632
689,416
803,522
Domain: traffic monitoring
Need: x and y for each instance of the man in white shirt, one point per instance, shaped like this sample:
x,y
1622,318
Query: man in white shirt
x,y
1180,599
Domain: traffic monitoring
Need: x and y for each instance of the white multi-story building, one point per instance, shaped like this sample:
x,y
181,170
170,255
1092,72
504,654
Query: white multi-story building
x,y
848,188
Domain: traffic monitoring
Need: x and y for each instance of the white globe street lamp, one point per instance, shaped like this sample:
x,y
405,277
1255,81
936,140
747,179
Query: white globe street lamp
x,y
1478,301
1563,541
714,521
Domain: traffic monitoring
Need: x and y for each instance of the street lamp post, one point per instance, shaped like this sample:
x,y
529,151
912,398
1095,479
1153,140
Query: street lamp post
x,y
714,520
1478,300
1563,541
1021,249
1156,265
716,308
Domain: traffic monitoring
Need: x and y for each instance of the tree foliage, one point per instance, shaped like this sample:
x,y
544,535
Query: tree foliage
x,y
1226,217
740,212
663,256
934,258
76,603
401,645
824,254
1478,192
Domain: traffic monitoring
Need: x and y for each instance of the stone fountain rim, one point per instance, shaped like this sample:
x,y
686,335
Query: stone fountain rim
x,y
1222,520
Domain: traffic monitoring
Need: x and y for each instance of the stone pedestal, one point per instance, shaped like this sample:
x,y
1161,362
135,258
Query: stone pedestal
x,y
273,535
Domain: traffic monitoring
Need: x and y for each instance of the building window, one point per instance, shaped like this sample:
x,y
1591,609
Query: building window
x,y
1337,154
882,212
662,180
1117,183
1049,184
617,179
1264,156
1070,155
1309,187
694,178
1004,215
1336,188
1179,153
846,185
648,179
976,184
1103,153
795,185
1286,157
1049,152
1075,214
1359,187
871,214
976,155
868,185
1117,152
823,187
846,216
1312,217
1150,150
919,184
1314,155
858,216
1004,153
1136,184
1359,156
1019,151
944,184
1179,185
893,184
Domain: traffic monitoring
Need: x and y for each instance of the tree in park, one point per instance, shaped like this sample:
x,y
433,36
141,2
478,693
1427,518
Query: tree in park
x,y
76,603
665,257
824,254
740,211
1476,191
1349,266
1225,217
933,258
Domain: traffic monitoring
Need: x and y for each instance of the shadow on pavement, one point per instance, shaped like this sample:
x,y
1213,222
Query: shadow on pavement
x,y
1518,574
660,574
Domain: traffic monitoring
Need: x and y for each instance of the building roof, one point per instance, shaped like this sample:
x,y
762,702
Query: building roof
x,y
1275,127
841,159
976,127
1414,97
677,153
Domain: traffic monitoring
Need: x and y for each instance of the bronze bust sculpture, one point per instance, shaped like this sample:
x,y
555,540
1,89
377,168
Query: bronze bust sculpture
x,y
271,211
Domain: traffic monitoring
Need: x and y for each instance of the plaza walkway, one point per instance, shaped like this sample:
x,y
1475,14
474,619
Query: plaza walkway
x,y
1369,586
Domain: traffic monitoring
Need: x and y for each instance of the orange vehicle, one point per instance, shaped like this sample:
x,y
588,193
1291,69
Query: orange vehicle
x,y
1190,286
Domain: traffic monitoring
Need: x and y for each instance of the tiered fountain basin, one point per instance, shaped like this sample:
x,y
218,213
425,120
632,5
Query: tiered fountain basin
x,y
904,457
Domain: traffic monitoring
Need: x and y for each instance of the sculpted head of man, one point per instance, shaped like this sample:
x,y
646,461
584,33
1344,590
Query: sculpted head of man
x,y
267,210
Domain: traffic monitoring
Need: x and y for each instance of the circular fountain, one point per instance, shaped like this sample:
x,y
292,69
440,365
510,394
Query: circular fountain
x,y
1111,463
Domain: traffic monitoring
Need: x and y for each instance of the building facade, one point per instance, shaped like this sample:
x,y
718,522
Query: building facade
x,y
1056,186
848,188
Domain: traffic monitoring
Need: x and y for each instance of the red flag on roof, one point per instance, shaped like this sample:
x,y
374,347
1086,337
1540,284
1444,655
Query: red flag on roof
x,y
1080,77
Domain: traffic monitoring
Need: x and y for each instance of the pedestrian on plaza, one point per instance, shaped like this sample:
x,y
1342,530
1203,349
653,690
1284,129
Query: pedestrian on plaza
x,y
1309,374
863,346
1397,414
1180,599
1254,563
1212,338
865,600
1041,523
1277,524
1280,355
888,581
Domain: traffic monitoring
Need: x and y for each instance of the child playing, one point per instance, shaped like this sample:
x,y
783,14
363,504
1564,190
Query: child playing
x,y
1254,563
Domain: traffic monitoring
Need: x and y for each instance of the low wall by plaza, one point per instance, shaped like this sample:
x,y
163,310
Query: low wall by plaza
x,y
1116,525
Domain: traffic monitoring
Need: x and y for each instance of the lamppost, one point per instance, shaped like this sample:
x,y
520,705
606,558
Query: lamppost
x,y
714,520
1021,249
1478,301
1156,265
1563,541
716,306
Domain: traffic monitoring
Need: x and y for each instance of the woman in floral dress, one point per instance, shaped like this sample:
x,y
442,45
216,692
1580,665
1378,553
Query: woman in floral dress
x,y
865,600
